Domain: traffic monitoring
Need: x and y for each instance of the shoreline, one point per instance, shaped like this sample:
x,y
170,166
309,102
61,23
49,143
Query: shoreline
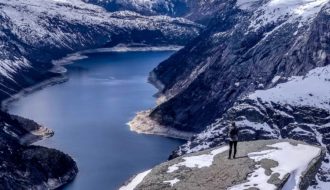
x,y
132,48
70,58
37,135
143,124
58,67
26,91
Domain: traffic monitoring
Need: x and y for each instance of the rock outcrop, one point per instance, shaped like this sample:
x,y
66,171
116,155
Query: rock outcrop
x,y
272,164
284,111
24,166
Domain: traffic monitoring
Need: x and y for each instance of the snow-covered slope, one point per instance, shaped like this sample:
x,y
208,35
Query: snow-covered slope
x,y
33,32
149,7
196,10
281,11
298,109
311,90
246,47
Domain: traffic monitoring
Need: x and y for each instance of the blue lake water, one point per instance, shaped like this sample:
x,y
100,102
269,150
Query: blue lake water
x,y
89,115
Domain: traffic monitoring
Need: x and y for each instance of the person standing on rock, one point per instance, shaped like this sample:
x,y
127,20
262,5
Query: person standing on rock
x,y
233,139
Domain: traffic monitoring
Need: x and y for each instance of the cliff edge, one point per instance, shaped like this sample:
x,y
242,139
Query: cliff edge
x,y
24,166
272,164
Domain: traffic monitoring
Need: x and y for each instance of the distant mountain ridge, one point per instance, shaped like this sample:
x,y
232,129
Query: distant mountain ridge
x,y
200,11
34,32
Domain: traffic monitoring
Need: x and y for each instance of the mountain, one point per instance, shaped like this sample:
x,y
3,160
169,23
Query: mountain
x,y
35,32
200,11
149,7
261,63
245,48
298,109
24,166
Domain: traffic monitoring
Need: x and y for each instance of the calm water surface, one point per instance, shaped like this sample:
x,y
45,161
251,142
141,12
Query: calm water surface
x,y
89,115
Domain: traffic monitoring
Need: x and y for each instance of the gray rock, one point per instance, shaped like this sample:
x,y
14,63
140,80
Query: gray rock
x,y
224,173
308,124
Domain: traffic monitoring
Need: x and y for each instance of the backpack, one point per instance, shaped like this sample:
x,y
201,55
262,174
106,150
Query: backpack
x,y
233,132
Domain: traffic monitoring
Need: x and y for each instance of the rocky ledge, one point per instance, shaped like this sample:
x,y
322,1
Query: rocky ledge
x,y
23,166
271,164
142,123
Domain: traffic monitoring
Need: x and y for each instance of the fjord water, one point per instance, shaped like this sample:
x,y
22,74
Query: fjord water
x,y
89,115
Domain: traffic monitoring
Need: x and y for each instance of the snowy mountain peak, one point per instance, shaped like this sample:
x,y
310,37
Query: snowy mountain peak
x,y
281,11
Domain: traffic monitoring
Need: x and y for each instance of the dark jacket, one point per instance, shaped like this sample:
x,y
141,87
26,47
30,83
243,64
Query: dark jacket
x,y
233,133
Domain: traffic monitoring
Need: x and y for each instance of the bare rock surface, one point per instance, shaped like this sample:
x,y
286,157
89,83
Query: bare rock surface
x,y
211,169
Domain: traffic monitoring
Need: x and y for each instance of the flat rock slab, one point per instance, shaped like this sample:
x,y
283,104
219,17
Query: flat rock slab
x,y
211,169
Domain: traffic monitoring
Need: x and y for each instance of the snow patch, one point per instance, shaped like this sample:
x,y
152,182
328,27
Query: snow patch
x,y
275,79
204,160
292,159
300,90
136,181
257,126
172,182
9,131
277,11
9,67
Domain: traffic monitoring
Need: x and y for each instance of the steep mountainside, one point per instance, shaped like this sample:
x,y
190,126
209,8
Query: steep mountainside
x,y
30,167
149,7
261,63
248,46
298,109
196,10
34,32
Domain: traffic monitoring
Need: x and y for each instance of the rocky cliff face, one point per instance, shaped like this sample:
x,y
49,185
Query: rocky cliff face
x,y
259,165
246,47
30,167
263,64
170,8
200,11
33,33
298,109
